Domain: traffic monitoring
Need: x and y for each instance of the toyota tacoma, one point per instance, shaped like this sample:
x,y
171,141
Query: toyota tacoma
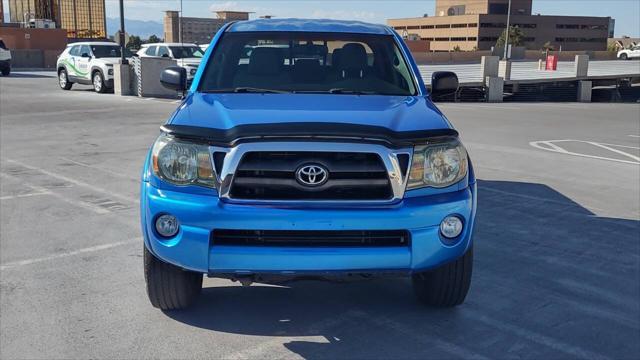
x,y
307,149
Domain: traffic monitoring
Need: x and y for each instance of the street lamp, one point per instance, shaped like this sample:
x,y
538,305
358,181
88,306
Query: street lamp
x,y
123,59
506,39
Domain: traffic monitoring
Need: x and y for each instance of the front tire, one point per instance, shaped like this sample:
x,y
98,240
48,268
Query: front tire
x,y
98,82
446,286
170,287
624,56
63,80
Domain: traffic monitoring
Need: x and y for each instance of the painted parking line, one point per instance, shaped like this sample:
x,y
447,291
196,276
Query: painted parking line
x,y
27,195
553,146
20,263
635,136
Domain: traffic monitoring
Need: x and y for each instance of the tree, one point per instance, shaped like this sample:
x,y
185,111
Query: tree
x,y
153,39
516,37
134,42
547,46
457,48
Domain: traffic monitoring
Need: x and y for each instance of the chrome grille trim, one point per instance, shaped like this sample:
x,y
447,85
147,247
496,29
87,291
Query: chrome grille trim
x,y
397,177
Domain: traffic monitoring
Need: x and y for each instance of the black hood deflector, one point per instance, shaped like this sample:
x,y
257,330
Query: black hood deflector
x,y
308,130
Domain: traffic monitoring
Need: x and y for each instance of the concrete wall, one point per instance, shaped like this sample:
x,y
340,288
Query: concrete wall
x,y
34,59
41,39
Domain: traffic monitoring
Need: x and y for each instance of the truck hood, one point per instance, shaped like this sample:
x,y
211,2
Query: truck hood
x,y
227,111
110,60
189,61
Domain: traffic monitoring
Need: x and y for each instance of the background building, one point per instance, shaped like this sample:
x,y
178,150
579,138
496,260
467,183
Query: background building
x,y
197,30
477,25
83,19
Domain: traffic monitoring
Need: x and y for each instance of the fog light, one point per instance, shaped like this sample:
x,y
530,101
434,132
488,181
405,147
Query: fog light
x,y
451,227
167,225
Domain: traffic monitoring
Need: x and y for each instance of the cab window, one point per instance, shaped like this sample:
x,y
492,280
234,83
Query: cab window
x,y
151,51
163,51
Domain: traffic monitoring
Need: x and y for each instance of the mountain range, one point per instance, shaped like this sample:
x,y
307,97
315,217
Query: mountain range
x,y
141,28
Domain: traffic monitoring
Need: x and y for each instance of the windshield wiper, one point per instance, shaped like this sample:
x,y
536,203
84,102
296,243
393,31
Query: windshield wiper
x,y
350,91
245,89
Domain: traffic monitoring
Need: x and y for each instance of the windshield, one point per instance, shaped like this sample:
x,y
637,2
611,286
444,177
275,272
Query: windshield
x,y
305,62
108,51
180,52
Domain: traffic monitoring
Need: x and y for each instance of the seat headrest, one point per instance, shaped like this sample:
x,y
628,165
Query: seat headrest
x,y
266,61
335,58
308,70
353,57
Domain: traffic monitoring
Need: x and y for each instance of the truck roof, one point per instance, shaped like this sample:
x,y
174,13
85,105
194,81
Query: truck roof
x,y
309,25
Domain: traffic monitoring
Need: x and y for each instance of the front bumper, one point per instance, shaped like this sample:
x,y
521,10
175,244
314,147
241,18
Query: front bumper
x,y
199,214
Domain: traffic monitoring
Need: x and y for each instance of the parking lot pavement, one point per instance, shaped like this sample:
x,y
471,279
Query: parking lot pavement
x,y
557,263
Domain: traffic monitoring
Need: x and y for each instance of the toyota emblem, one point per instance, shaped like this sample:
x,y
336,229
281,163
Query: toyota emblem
x,y
312,175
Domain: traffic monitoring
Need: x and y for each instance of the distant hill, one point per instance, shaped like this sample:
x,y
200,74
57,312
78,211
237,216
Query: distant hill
x,y
141,28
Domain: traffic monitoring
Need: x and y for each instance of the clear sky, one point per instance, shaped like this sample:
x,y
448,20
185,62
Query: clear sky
x,y
626,12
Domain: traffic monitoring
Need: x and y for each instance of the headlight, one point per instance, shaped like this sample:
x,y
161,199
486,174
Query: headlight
x,y
438,165
182,163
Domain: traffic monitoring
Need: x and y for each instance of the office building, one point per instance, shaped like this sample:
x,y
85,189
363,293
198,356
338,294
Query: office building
x,y
197,30
83,19
477,25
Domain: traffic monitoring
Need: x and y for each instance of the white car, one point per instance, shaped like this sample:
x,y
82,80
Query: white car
x,y
630,53
187,56
5,59
89,63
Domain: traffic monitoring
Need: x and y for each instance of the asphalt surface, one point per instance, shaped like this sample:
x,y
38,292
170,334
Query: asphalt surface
x,y
557,245
527,70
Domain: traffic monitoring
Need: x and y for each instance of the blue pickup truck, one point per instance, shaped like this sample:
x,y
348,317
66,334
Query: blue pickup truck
x,y
307,149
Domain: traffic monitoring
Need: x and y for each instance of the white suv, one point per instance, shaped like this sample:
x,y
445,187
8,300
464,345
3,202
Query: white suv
x,y
89,63
5,59
630,53
187,56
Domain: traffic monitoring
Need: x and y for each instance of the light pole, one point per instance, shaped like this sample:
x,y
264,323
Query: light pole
x,y
180,23
123,59
506,38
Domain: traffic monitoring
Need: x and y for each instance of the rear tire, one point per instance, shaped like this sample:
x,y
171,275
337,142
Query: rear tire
x,y
63,80
624,56
446,286
170,287
6,71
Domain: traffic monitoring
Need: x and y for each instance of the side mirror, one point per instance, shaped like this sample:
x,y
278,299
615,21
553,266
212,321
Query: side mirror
x,y
165,55
85,55
443,83
174,78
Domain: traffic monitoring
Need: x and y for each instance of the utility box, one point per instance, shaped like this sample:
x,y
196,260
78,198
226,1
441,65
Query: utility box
x,y
552,62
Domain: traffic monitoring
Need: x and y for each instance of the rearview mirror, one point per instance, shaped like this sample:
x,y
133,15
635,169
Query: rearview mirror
x,y
443,83
174,78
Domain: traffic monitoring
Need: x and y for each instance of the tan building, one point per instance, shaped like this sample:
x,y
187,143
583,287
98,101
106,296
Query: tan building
x,y
83,19
477,25
197,30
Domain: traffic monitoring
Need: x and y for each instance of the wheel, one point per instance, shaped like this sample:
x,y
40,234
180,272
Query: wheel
x,y
98,82
447,285
170,287
63,80
624,56
6,71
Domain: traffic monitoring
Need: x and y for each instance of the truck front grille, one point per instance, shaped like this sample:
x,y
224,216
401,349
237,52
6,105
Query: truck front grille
x,y
271,175
314,238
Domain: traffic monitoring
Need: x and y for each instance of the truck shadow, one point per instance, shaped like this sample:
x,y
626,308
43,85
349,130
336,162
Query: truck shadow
x,y
550,278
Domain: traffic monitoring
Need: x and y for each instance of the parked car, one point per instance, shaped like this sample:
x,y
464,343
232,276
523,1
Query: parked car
x,y
307,148
5,59
630,53
186,55
89,63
